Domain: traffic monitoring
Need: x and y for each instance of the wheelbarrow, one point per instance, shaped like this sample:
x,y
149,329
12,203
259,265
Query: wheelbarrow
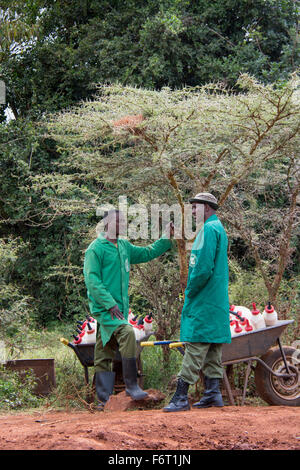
x,y
277,371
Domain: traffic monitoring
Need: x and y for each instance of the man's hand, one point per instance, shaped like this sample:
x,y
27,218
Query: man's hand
x,y
115,312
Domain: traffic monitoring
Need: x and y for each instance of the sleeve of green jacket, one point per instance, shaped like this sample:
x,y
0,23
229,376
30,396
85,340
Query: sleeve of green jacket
x,y
93,281
205,262
142,254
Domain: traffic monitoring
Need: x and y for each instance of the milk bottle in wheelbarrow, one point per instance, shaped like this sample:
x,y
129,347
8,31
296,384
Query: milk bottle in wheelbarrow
x,y
243,311
270,315
235,328
243,314
257,318
89,328
139,330
148,323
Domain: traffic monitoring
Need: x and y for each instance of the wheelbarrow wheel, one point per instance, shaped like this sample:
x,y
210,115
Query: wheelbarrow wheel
x,y
276,390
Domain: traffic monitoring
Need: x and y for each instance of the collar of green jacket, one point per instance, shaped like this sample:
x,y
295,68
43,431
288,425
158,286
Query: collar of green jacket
x,y
211,218
102,238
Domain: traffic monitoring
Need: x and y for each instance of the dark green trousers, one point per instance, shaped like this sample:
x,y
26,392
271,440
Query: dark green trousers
x,y
122,339
201,356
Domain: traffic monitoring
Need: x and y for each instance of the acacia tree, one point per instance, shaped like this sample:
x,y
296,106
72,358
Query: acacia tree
x,y
264,210
162,146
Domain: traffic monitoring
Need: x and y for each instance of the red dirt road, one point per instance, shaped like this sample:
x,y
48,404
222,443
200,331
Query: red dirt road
x,y
231,428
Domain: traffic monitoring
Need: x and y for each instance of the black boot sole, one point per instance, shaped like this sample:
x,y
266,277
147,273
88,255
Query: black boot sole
x,y
139,398
186,408
207,406
176,411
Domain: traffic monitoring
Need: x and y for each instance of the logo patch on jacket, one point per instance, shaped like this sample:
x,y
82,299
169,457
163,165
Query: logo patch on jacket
x,y
193,260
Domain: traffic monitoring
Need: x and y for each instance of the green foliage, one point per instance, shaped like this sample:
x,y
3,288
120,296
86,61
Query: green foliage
x,y
71,44
158,373
17,392
15,307
47,263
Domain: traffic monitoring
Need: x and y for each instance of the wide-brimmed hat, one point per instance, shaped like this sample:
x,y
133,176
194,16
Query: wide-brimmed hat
x,y
207,198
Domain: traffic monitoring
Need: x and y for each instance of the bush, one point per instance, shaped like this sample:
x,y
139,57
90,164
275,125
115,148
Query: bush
x,y
16,391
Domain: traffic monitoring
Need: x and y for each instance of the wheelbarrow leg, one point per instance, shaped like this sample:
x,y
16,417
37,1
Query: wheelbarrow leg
x,y
228,388
248,372
283,356
86,375
90,393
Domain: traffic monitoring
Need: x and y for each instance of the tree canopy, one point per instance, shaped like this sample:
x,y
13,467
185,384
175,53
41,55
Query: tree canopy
x,y
66,46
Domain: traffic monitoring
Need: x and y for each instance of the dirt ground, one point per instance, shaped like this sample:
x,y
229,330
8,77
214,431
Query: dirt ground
x,y
228,428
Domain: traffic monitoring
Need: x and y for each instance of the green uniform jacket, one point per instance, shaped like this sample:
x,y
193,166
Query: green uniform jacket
x,y
106,274
205,313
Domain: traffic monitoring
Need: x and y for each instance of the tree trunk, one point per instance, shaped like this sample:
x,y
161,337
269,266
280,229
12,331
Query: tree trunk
x,y
183,264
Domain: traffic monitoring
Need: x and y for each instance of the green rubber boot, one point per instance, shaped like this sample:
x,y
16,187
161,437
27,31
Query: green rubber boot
x,y
104,383
130,379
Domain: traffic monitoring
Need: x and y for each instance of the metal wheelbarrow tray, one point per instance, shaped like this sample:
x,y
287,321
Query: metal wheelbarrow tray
x,y
277,373
85,354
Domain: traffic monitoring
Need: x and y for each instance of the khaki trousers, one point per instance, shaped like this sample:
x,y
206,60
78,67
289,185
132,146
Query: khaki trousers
x,y
201,356
122,339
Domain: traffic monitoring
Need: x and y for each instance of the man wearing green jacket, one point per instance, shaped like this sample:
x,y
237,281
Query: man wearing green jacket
x,y
205,315
106,272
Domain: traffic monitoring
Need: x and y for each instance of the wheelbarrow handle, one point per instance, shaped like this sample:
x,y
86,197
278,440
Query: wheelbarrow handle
x,y
67,343
64,341
176,345
156,343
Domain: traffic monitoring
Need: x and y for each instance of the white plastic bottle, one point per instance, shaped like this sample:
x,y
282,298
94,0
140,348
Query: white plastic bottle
x,y
90,333
248,327
139,332
237,329
148,323
130,315
232,326
270,315
243,311
257,319
133,321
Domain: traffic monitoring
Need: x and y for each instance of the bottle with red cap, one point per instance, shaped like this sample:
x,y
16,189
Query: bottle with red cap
x,y
130,315
90,330
77,339
248,327
258,320
139,329
86,331
270,315
232,325
236,328
133,321
243,311
148,323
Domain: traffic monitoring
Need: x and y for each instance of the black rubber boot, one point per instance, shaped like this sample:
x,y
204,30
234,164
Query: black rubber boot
x,y
104,383
130,379
180,400
212,395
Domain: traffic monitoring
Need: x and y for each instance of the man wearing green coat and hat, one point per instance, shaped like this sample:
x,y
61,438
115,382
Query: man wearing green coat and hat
x,y
106,272
205,316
